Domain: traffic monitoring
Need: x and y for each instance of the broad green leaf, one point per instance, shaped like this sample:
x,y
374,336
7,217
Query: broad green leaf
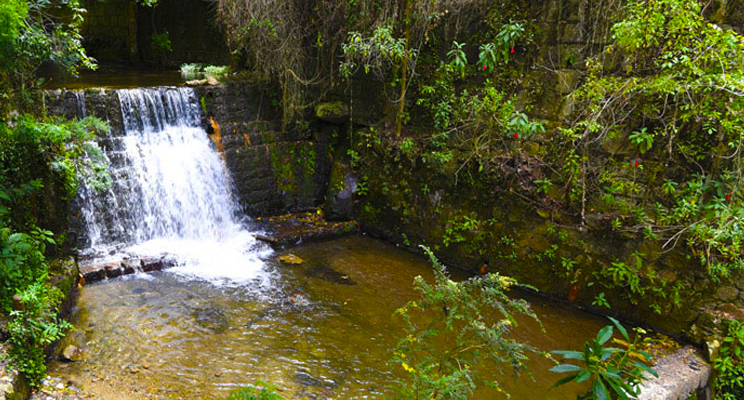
x,y
569,354
620,328
604,334
564,381
565,368
583,376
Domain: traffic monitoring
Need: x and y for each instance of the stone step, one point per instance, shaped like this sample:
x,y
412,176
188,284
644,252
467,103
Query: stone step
x,y
681,374
94,272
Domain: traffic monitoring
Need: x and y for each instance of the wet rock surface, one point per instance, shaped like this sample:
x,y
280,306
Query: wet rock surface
x,y
681,374
11,386
294,229
71,353
340,205
92,271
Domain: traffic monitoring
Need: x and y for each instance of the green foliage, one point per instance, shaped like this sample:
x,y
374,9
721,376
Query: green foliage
x,y
34,327
614,373
473,232
454,331
457,58
601,301
30,34
642,139
678,99
729,365
160,46
208,70
12,14
215,70
637,282
34,156
261,391
51,153
22,260
40,161
190,69
378,52
483,123
543,185
293,44
495,53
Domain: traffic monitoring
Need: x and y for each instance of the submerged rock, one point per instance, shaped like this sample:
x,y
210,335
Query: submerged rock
x,y
299,298
211,318
262,315
71,353
196,82
290,259
306,379
328,274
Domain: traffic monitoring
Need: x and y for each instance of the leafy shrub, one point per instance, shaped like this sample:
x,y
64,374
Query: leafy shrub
x,y
22,260
29,38
191,68
160,45
208,70
214,70
614,373
34,327
48,154
453,331
729,365
676,102
266,392
34,156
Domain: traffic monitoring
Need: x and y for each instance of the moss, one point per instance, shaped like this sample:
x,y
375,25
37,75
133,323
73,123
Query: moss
x,y
331,110
282,171
306,161
268,137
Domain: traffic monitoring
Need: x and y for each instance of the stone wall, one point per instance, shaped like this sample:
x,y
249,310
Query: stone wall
x,y
116,31
195,33
274,171
411,204
110,30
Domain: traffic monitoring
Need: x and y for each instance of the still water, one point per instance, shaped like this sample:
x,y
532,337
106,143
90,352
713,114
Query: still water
x,y
117,77
319,330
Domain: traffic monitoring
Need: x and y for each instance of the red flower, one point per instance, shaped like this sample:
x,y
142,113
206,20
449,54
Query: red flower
x,y
485,67
516,135
512,50
637,163
728,197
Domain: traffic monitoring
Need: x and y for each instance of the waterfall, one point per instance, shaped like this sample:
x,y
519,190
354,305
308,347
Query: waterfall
x,y
80,99
171,192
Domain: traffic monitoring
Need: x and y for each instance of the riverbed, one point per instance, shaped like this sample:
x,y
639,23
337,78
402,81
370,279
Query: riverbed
x,y
322,329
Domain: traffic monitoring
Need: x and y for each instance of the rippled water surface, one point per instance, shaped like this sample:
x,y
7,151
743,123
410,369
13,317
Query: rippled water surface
x,y
322,329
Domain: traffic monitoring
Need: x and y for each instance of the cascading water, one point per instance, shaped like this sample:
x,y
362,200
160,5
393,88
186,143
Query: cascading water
x,y
171,192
